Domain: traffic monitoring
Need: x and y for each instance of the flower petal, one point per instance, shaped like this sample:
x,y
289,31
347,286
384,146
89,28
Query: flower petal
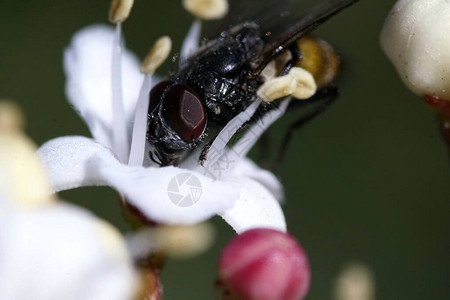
x,y
62,252
247,168
256,207
167,195
87,63
70,162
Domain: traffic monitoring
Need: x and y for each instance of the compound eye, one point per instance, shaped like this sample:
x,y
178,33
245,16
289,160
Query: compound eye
x,y
184,112
156,94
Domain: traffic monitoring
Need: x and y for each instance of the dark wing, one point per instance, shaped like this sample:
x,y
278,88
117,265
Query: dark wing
x,y
281,22
283,30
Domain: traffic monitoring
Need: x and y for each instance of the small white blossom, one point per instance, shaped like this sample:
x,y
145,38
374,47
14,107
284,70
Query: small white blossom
x,y
50,250
244,195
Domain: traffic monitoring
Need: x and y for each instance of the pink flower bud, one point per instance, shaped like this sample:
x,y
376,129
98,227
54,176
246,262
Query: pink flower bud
x,y
264,264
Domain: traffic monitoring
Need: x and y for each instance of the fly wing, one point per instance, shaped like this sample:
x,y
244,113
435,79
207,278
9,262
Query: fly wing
x,y
283,30
281,22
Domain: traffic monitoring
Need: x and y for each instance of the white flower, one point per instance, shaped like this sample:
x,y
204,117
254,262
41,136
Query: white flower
x,y
51,250
243,194
416,38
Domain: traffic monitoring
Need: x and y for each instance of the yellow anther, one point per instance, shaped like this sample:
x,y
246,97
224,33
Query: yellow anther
x,y
276,88
306,85
185,241
11,118
356,282
120,10
206,9
157,55
298,83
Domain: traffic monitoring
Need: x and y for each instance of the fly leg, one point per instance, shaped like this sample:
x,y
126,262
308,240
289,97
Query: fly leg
x,y
310,109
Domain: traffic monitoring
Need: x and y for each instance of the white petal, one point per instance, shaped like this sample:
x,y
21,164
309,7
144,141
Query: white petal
x,y
247,168
71,162
87,63
169,195
79,161
256,208
63,253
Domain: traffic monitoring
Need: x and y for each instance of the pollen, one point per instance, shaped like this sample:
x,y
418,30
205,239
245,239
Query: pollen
x,y
206,9
157,55
120,10
298,83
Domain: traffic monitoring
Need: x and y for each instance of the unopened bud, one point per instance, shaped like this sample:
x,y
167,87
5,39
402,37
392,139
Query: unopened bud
x,y
355,282
416,39
11,118
175,241
264,264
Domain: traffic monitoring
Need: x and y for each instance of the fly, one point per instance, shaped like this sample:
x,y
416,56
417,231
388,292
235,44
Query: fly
x,y
222,78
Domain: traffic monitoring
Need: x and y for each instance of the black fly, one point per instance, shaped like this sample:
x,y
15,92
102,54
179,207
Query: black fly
x,y
221,79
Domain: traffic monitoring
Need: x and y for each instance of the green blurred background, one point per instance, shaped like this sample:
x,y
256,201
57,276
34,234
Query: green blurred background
x,y
368,181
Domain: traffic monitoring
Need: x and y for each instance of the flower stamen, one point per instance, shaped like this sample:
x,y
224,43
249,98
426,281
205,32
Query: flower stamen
x,y
206,9
298,83
217,148
120,10
191,42
120,135
156,56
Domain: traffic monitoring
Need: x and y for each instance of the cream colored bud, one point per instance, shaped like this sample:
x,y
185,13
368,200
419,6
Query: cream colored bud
x,y
176,241
11,118
157,55
206,9
416,39
120,10
298,83
356,282
22,176
185,241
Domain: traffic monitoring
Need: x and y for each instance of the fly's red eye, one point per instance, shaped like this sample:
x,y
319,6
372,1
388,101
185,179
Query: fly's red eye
x,y
156,94
184,112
